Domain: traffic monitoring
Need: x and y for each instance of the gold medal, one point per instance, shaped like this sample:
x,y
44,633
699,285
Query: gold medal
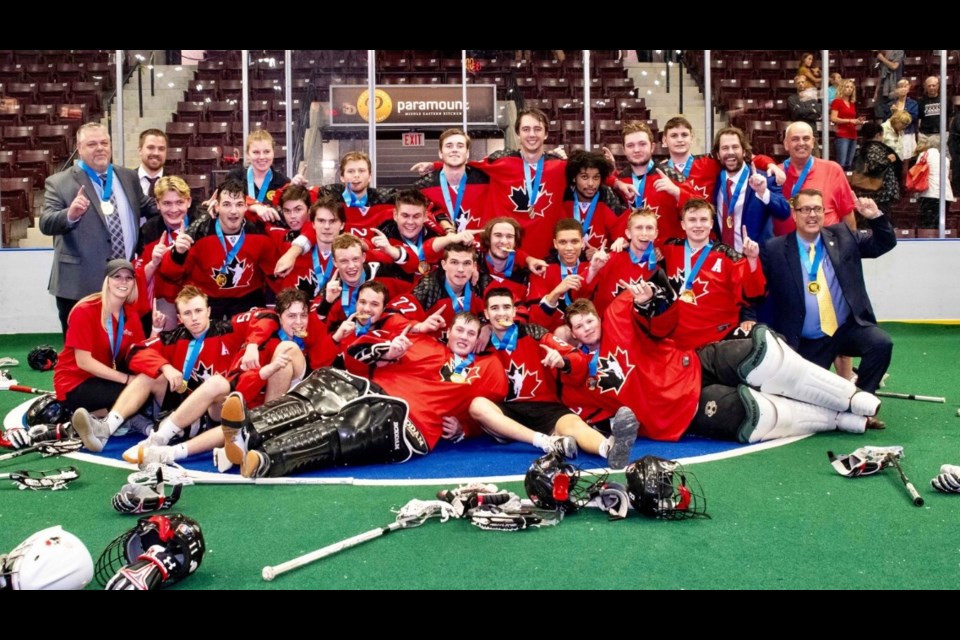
x,y
424,267
814,288
533,214
729,222
183,387
688,296
458,378
107,208
221,280
591,383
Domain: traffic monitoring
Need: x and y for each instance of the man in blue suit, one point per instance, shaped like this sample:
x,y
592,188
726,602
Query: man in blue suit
x,y
743,197
815,282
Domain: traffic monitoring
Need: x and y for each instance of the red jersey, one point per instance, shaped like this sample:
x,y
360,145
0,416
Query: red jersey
x,y
206,264
638,367
723,287
431,294
87,332
529,380
540,286
302,276
473,204
602,222
662,203
153,232
626,266
333,313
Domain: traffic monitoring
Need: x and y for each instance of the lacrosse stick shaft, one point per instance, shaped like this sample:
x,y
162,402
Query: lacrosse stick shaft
x,y
23,389
908,396
917,500
17,453
269,573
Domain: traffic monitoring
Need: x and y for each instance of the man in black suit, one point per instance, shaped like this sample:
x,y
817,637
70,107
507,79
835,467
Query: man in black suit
x,y
93,210
815,282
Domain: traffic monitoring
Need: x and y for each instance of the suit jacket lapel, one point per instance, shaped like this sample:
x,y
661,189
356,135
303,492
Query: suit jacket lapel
x,y
793,259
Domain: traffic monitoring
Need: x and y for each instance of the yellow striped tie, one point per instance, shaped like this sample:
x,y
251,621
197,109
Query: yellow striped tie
x,y
828,316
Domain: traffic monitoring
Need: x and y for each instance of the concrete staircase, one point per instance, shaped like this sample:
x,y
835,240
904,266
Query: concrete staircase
x,y
650,79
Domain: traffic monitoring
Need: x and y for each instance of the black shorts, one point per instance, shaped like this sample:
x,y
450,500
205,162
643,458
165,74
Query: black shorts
x,y
93,394
541,417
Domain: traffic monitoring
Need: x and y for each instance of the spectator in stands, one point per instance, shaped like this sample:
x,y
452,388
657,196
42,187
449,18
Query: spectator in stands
x,y
929,108
804,106
843,113
93,210
879,161
890,64
835,80
953,144
929,150
808,69
901,101
153,155
893,132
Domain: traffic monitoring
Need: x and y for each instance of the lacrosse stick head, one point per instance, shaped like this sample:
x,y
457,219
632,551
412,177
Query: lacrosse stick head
x,y
51,479
553,483
45,410
864,461
661,488
49,559
156,472
178,534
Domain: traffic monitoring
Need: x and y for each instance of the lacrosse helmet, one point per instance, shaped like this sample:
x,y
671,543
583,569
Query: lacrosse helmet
x,y
42,358
178,534
553,483
660,488
51,559
45,410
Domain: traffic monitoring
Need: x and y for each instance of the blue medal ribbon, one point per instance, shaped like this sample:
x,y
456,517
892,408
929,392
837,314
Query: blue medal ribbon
x,y
533,188
509,341
417,247
286,337
640,186
362,329
460,364
811,267
692,273
587,220
348,296
567,271
232,253
193,354
803,176
260,195
508,267
453,208
594,360
729,205
467,297
322,276
115,342
352,200
95,178
685,169
647,258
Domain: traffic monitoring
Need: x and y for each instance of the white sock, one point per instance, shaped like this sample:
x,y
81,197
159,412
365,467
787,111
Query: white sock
x,y
542,441
180,451
605,446
168,430
114,420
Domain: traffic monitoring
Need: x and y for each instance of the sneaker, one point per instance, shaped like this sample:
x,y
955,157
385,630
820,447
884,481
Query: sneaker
x,y
138,424
94,432
623,426
160,455
563,445
232,418
255,464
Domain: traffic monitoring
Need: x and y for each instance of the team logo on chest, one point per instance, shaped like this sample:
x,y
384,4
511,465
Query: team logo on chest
x,y
613,371
523,383
237,274
521,201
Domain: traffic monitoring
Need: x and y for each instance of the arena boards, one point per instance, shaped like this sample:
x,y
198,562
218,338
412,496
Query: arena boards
x,y
471,460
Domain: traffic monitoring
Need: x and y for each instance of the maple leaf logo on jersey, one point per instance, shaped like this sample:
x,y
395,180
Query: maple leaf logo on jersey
x,y
521,201
701,192
619,287
523,384
698,287
464,218
613,371
236,275
469,374
308,285
202,373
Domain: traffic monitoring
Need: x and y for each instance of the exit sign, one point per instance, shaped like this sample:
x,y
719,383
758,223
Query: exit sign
x,y
413,139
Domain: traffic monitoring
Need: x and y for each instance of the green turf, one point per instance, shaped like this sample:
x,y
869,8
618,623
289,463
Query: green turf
x,y
782,518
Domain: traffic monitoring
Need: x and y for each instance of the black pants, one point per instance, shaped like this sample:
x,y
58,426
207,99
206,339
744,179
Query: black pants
x,y
870,342
64,307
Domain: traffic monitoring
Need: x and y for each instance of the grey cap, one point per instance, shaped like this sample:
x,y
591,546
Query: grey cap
x,y
119,264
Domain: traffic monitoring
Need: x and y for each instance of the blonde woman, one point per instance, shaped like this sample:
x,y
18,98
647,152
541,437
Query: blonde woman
x,y
843,113
261,179
893,131
91,370
929,150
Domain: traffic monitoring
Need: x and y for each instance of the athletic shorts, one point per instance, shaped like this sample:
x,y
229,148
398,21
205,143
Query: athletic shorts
x,y
541,417
93,394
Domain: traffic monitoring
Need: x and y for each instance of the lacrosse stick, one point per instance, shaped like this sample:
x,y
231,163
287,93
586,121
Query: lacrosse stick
x,y
23,389
52,479
46,449
895,463
173,474
910,396
412,514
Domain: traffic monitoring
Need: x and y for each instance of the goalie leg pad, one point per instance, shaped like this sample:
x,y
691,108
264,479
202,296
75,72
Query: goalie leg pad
x,y
769,417
773,367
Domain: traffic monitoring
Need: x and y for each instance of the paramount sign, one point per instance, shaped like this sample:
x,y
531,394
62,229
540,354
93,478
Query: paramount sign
x,y
405,106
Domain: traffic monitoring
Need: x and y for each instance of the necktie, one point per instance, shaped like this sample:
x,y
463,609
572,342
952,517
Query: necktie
x,y
153,183
726,232
828,316
114,226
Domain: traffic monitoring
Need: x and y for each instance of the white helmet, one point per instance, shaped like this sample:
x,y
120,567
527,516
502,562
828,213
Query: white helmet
x,y
47,560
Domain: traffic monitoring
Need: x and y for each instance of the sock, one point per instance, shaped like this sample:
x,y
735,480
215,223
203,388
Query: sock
x,y
180,451
605,446
114,420
542,441
168,430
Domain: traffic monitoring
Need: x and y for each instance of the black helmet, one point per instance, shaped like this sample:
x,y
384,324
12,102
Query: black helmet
x,y
659,488
42,358
45,410
178,534
553,483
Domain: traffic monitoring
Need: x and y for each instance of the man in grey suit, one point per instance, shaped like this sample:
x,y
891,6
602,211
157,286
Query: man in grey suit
x,y
93,211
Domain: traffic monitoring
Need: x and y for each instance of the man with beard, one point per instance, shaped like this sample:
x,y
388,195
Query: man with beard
x,y
153,155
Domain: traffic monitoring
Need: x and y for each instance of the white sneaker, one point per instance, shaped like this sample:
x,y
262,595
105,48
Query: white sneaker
x,y
162,455
564,445
132,455
94,432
